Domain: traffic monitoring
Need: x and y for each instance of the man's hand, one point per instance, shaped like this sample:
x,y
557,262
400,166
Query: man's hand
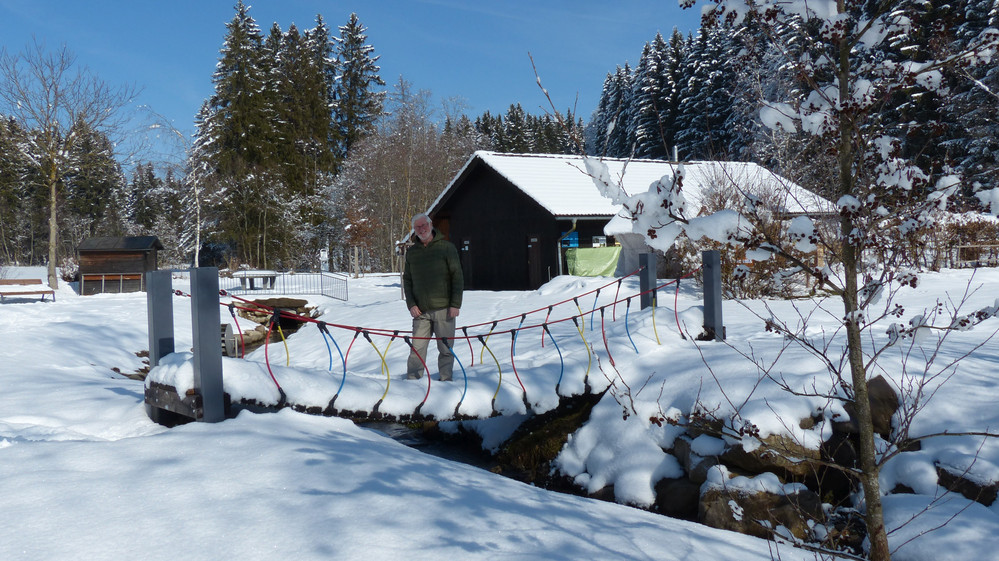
x,y
414,311
453,312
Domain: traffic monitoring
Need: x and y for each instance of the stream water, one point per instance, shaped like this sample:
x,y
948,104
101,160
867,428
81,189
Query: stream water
x,y
457,450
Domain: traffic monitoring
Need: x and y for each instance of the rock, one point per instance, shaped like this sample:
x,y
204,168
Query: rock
x,y
695,465
758,514
901,489
529,452
677,498
846,532
835,484
705,424
778,454
884,404
605,494
959,482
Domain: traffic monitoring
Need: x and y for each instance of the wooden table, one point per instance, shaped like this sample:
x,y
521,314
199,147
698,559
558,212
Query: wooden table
x,y
268,278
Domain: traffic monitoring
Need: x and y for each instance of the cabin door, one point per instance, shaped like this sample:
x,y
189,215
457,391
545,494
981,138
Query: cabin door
x,y
465,256
535,277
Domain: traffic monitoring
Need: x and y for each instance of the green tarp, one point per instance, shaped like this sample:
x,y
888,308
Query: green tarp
x,y
592,261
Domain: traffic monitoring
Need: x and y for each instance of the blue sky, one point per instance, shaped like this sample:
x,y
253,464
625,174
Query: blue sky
x,y
473,50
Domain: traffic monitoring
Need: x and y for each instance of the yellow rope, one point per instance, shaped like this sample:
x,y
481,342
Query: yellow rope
x,y
483,341
654,330
498,369
287,355
589,355
385,369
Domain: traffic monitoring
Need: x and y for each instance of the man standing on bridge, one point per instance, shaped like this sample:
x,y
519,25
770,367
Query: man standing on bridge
x,y
433,286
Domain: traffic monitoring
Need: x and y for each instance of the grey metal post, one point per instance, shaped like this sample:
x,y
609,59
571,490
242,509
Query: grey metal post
x,y
647,278
713,326
159,315
207,350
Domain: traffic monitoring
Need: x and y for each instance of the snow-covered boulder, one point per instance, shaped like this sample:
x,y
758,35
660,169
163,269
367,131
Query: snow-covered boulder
x,y
759,506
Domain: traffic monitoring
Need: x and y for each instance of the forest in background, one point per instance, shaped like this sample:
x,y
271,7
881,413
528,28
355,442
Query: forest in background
x,y
303,146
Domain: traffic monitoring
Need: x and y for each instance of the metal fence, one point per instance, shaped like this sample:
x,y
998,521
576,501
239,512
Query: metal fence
x,y
331,285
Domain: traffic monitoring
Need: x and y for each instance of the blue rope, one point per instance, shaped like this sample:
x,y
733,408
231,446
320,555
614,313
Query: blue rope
x,y
516,332
463,373
343,360
328,349
595,297
626,328
560,360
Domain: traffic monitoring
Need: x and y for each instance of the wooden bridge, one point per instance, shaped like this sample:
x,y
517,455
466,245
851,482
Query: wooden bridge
x,y
523,364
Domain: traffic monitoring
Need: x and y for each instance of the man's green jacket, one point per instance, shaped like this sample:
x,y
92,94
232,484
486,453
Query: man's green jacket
x,y
432,279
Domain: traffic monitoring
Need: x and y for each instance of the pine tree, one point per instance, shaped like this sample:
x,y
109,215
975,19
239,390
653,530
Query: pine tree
x,y
919,117
14,228
672,68
356,103
233,141
238,118
705,111
621,137
602,119
610,133
93,187
975,105
141,207
646,95
322,46
517,135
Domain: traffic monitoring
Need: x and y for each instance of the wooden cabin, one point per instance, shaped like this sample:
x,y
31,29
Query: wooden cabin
x,y
116,264
514,217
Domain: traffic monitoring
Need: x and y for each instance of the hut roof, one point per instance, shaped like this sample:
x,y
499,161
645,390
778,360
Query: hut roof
x,y
560,184
127,243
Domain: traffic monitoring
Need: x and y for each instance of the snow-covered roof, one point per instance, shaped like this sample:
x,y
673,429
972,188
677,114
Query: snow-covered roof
x,y
560,184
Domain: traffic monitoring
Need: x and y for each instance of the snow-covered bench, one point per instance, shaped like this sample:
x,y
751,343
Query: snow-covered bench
x,y
15,288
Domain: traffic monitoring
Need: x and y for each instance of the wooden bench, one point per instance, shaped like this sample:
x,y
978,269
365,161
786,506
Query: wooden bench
x,y
15,288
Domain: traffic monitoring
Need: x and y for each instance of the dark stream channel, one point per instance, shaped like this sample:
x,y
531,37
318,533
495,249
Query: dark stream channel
x,y
435,443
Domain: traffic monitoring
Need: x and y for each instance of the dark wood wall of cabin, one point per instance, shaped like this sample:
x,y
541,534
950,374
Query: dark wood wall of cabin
x,y
491,221
97,262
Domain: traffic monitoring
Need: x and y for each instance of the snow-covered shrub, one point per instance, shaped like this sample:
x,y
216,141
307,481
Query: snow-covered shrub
x,y
68,269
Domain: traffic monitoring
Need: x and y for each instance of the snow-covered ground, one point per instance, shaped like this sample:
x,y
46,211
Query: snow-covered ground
x,y
84,474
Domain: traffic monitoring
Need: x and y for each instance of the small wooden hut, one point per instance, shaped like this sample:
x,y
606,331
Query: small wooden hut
x,y
116,264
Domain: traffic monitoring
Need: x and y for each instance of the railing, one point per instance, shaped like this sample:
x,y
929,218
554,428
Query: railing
x,y
975,255
332,285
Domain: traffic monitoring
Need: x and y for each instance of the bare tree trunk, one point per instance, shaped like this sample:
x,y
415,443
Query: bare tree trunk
x,y
53,228
869,469
852,251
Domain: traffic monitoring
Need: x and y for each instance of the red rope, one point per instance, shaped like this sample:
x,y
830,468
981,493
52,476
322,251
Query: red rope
x,y
548,315
604,332
470,350
267,359
425,369
513,339
616,295
386,332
